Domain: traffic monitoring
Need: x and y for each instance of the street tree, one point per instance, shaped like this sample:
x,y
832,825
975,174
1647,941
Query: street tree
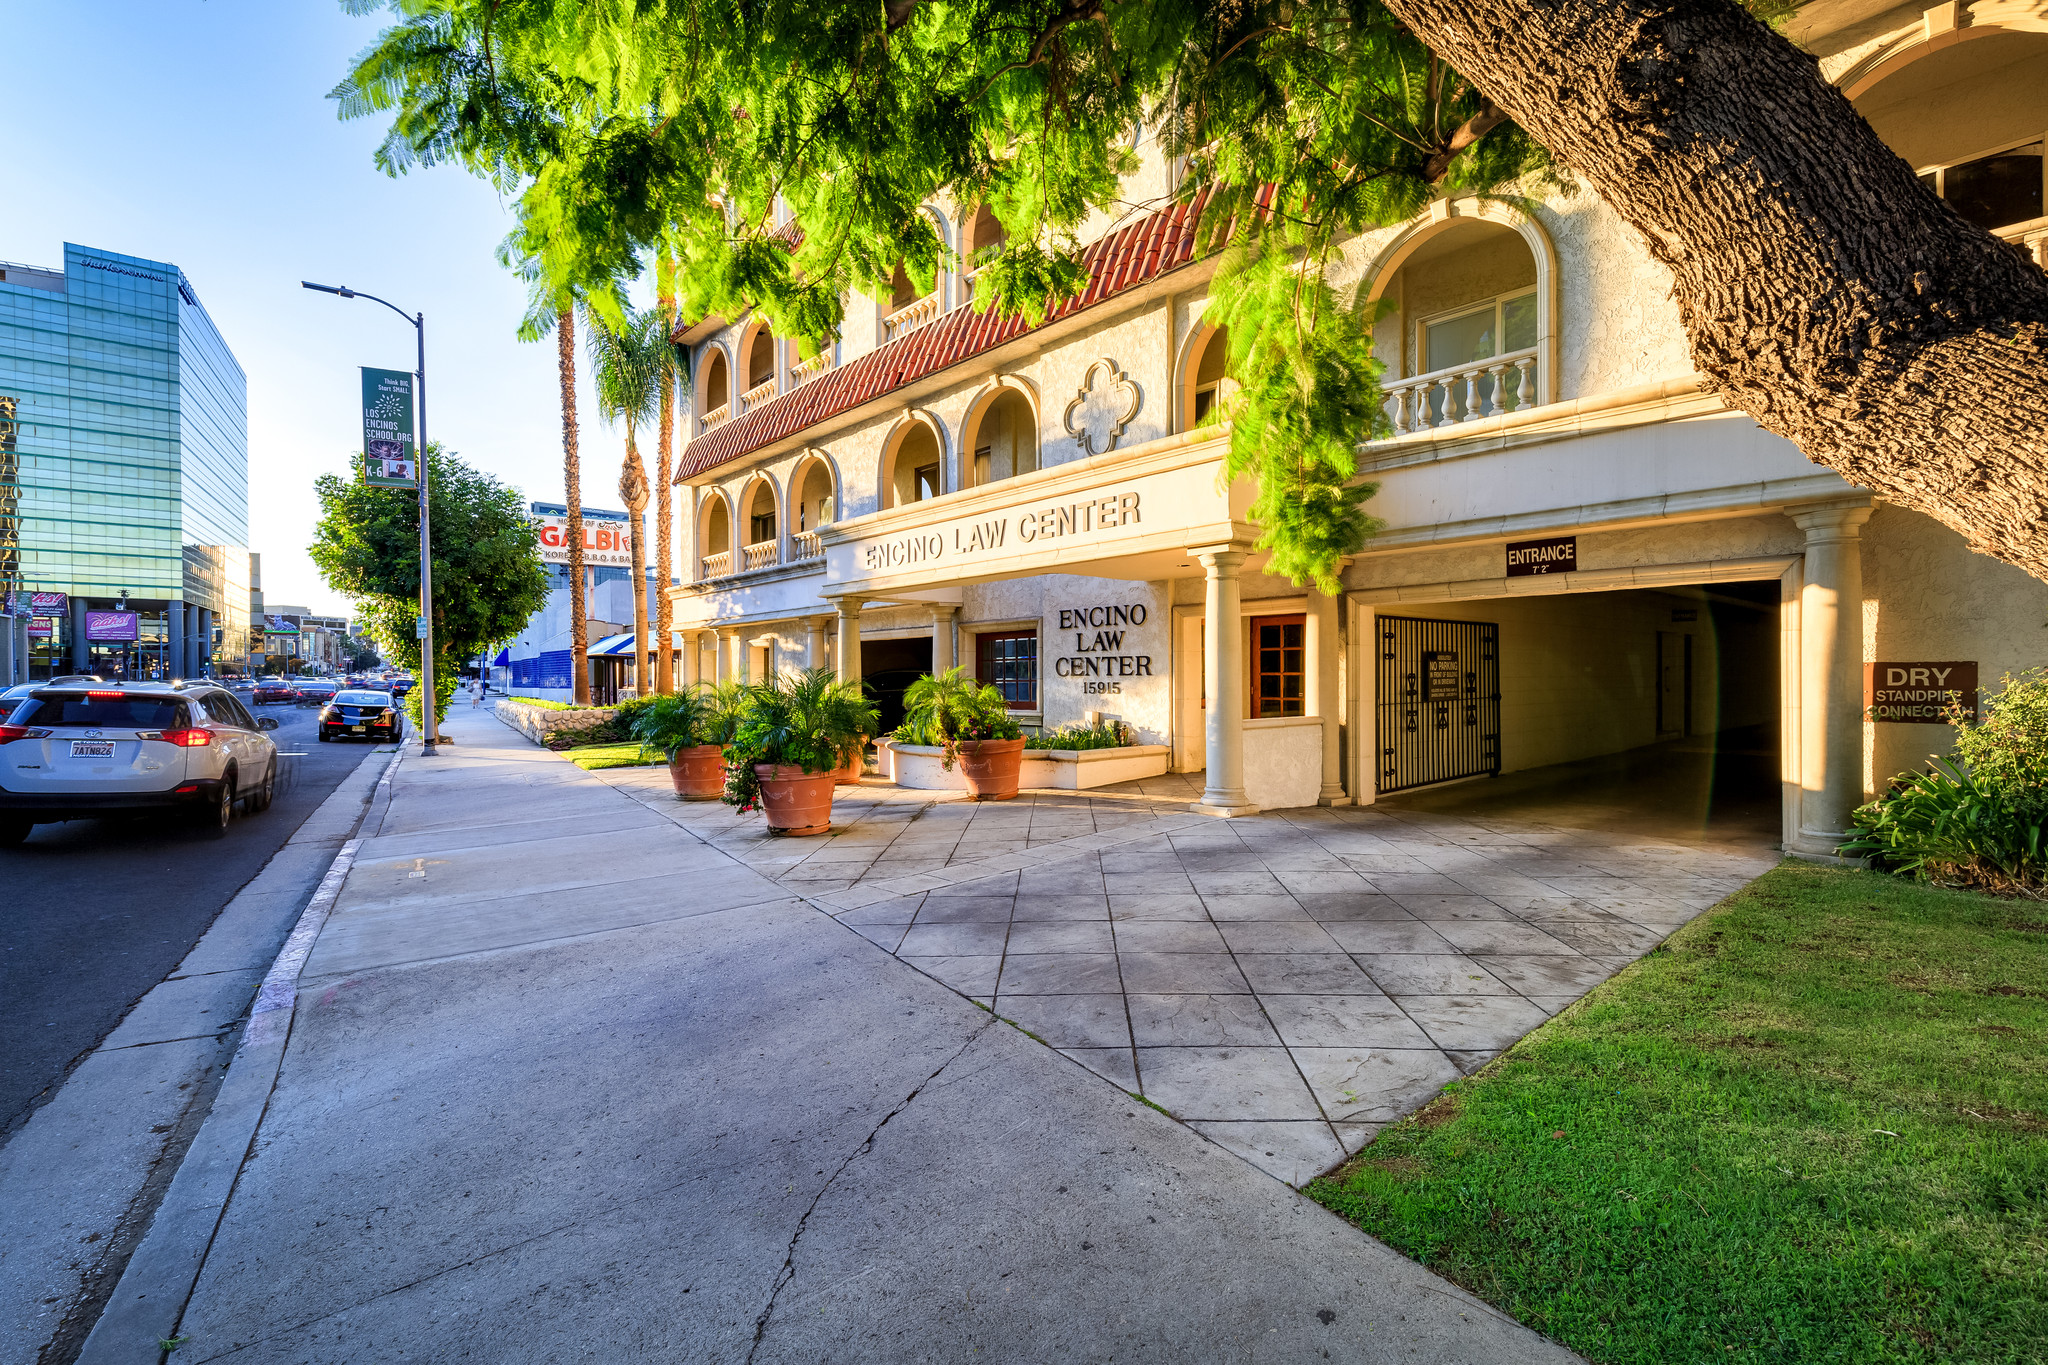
x,y
628,371
1825,292
674,376
488,578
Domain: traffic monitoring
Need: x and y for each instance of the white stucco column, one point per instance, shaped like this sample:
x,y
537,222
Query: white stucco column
x,y
942,637
814,641
1223,673
1326,697
849,639
1830,674
689,667
732,656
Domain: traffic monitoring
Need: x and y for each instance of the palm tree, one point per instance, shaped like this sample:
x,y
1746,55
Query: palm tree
x,y
673,376
551,308
625,360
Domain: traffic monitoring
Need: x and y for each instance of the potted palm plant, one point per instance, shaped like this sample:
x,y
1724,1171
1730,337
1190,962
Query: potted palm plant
x,y
974,727
795,732
690,729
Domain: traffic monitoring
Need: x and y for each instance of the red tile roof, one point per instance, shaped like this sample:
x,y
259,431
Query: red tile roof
x,y
1123,260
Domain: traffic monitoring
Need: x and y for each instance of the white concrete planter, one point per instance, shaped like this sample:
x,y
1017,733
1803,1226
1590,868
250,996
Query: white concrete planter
x,y
918,766
538,723
1283,761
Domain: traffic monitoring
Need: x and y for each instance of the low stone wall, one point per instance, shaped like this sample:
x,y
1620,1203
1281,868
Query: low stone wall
x,y
919,766
538,723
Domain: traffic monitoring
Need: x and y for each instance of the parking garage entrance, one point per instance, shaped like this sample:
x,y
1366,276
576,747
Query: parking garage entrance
x,y
1654,710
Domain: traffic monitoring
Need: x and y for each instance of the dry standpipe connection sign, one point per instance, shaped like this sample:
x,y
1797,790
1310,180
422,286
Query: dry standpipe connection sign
x,y
1916,693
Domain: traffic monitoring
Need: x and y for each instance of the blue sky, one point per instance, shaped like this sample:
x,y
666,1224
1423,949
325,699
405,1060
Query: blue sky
x,y
199,132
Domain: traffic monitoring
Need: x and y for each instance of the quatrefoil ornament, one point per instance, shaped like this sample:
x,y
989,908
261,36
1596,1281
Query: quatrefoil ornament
x,y
1103,407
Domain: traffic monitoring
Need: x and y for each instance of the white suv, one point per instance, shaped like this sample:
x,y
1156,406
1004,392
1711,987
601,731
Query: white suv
x,y
76,751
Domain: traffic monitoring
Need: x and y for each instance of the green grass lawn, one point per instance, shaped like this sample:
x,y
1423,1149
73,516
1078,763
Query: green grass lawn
x,y
591,757
1811,1127
544,704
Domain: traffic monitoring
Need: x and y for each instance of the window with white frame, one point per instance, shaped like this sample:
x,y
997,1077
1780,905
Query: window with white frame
x,y
1995,190
1468,337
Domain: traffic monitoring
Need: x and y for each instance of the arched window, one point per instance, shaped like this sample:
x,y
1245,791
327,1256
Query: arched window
x,y
902,292
1206,388
760,359
816,498
984,234
760,513
916,469
715,557
1005,439
716,386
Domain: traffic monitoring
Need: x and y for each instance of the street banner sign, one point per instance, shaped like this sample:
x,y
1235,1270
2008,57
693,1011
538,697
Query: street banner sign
x,y
112,625
388,457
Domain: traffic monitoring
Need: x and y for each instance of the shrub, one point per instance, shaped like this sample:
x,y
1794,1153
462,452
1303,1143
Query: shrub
x,y
2007,751
684,720
1108,734
806,720
1943,826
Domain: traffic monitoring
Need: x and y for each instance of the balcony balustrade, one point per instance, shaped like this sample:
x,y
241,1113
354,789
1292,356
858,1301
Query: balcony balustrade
x,y
805,545
2030,237
760,555
804,371
910,317
759,394
717,415
718,565
1462,393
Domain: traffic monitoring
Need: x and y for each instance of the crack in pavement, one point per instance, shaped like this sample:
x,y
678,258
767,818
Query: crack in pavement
x,y
787,1271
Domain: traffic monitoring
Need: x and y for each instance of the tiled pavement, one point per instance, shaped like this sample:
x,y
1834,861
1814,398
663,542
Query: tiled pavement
x,y
1285,984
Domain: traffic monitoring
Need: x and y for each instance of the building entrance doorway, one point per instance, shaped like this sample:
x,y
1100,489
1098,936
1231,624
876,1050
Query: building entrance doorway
x,y
889,667
1439,701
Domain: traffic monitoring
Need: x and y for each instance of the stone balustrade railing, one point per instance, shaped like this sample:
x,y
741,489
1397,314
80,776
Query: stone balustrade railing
x,y
1462,393
2030,237
717,415
910,317
806,545
760,555
759,394
804,371
718,565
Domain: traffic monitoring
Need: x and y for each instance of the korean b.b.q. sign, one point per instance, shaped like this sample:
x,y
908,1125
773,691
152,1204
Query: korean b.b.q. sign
x,y
389,460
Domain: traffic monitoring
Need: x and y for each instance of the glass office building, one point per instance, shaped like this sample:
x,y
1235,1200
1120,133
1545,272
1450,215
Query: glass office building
x,y
129,483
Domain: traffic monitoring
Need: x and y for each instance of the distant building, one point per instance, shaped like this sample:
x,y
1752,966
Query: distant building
x,y
124,504
538,658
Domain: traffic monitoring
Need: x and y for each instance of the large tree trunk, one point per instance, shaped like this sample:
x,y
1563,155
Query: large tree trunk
x,y
572,481
1825,292
664,511
633,489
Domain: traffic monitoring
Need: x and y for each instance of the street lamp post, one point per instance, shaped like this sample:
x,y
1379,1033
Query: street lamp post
x,y
430,730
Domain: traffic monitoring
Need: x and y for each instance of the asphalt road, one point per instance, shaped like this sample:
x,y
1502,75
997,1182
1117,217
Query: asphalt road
x,y
93,913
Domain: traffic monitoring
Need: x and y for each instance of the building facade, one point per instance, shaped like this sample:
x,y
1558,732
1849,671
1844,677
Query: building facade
x,y
126,526
1586,557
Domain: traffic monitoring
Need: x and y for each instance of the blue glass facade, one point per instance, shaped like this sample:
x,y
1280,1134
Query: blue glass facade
x,y
132,465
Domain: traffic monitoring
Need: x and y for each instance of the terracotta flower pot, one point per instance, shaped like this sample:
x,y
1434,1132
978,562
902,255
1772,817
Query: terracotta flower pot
x,y
850,774
699,772
993,767
797,802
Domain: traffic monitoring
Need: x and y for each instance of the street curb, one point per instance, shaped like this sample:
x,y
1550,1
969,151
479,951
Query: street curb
x,y
153,1290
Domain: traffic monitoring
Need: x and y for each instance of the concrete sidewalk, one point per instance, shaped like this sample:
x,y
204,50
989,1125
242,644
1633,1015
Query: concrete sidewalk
x,y
567,1082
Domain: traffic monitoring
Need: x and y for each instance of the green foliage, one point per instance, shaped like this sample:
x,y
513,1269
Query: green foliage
x,y
678,128
1944,826
544,704
957,710
592,757
488,577
807,720
1108,734
2007,751
1808,1129
445,681
695,716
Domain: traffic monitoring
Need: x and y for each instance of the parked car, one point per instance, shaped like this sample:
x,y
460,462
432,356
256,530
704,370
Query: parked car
x,y
400,686
361,715
273,690
13,695
74,752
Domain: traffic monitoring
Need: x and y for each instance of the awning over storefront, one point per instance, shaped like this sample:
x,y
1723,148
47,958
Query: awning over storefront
x,y
617,646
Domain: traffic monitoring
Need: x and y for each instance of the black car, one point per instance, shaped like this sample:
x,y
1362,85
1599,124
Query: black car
x,y
400,686
361,715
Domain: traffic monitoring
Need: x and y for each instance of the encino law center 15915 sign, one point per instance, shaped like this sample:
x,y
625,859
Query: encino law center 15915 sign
x,y
389,460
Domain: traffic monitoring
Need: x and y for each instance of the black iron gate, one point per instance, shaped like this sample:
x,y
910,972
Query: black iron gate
x,y
1439,701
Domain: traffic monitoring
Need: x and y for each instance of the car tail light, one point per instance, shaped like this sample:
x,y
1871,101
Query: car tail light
x,y
188,787
194,738
9,733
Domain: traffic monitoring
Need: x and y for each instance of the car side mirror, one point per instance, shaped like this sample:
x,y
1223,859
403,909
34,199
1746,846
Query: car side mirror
x,y
266,722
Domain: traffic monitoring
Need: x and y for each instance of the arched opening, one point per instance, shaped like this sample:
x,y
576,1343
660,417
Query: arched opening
x,y
815,504
760,367
1969,117
715,556
716,386
1465,335
916,468
902,291
1207,385
1004,439
984,237
757,516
